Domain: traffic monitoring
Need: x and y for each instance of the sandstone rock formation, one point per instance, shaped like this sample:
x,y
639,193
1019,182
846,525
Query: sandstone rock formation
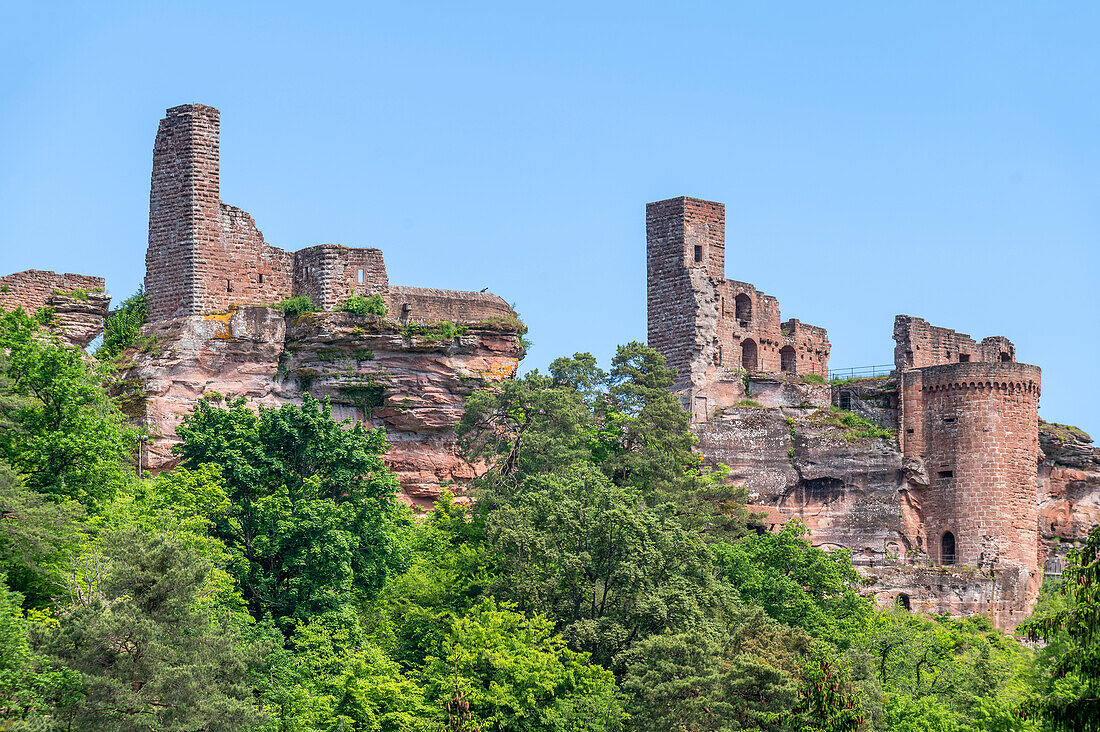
x,y
73,306
411,381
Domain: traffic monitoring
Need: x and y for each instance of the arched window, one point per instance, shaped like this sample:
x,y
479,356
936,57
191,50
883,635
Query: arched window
x,y
947,548
748,354
903,601
788,361
1005,358
742,305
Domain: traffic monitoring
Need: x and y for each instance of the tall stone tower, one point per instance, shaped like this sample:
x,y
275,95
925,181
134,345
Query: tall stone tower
x,y
184,226
685,243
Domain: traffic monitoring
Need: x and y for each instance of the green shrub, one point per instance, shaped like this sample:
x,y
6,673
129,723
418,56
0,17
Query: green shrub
x,y
814,379
44,315
748,403
124,326
292,307
445,330
371,305
77,294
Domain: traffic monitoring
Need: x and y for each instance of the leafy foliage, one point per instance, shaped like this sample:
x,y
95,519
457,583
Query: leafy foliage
x,y
124,326
69,440
310,503
1071,696
364,305
296,306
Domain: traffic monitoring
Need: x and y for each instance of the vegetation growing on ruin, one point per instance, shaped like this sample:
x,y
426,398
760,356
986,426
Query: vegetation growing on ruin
x,y
598,578
360,305
123,327
296,306
813,379
77,294
853,426
444,331
1064,432
44,315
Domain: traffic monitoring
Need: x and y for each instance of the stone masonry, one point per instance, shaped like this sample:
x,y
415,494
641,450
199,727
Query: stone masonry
x,y
76,302
711,329
205,256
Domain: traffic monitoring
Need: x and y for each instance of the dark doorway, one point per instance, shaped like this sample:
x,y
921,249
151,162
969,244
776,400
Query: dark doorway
x,y
788,360
903,601
947,548
748,354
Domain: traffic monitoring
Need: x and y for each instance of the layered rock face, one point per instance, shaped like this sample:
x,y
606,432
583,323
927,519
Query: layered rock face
x,y
412,382
73,306
863,494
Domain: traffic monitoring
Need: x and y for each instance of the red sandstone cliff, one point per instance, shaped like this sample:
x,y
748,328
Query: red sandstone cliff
x,y
370,368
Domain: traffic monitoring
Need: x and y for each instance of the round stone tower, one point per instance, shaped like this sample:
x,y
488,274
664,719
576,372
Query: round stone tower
x,y
979,439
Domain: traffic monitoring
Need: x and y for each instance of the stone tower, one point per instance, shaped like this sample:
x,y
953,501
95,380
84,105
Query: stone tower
x,y
710,329
970,417
203,256
183,211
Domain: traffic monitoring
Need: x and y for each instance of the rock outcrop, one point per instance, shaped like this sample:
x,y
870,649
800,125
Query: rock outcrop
x,y
411,380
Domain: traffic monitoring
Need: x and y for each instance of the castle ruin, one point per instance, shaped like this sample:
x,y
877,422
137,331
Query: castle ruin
x,y
957,488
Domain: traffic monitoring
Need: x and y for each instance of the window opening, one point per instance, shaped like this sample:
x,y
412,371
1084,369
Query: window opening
x,y
964,358
742,306
228,286
1005,358
261,278
698,253
946,474
360,277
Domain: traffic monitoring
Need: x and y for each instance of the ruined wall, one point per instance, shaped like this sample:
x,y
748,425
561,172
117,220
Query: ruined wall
x,y
425,304
77,302
330,273
33,288
975,427
184,209
707,327
919,344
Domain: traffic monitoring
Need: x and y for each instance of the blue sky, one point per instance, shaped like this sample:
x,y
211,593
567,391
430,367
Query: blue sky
x,y
935,159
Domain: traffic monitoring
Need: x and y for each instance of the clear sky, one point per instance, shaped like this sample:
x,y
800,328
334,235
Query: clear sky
x,y
935,159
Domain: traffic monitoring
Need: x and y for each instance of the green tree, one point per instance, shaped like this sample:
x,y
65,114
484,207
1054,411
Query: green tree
x,y
150,654
797,583
70,441
610,568
124,325
1070,698
503,671
312,510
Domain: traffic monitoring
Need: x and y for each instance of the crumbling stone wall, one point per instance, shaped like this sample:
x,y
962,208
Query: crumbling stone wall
x,y
919,344
707,326
34,288
425,304
205,256
330,273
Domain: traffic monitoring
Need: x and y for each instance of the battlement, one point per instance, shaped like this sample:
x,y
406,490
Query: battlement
x,y
205,256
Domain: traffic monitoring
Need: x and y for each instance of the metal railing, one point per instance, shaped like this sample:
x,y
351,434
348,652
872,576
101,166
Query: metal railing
x,y
861,372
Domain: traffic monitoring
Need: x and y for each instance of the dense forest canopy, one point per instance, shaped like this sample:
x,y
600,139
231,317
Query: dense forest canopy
x,y
596,577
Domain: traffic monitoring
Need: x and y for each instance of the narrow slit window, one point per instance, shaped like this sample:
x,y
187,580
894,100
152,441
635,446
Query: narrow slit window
x,y
229,286
360,277
698,253
949,420
261,278
947,474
